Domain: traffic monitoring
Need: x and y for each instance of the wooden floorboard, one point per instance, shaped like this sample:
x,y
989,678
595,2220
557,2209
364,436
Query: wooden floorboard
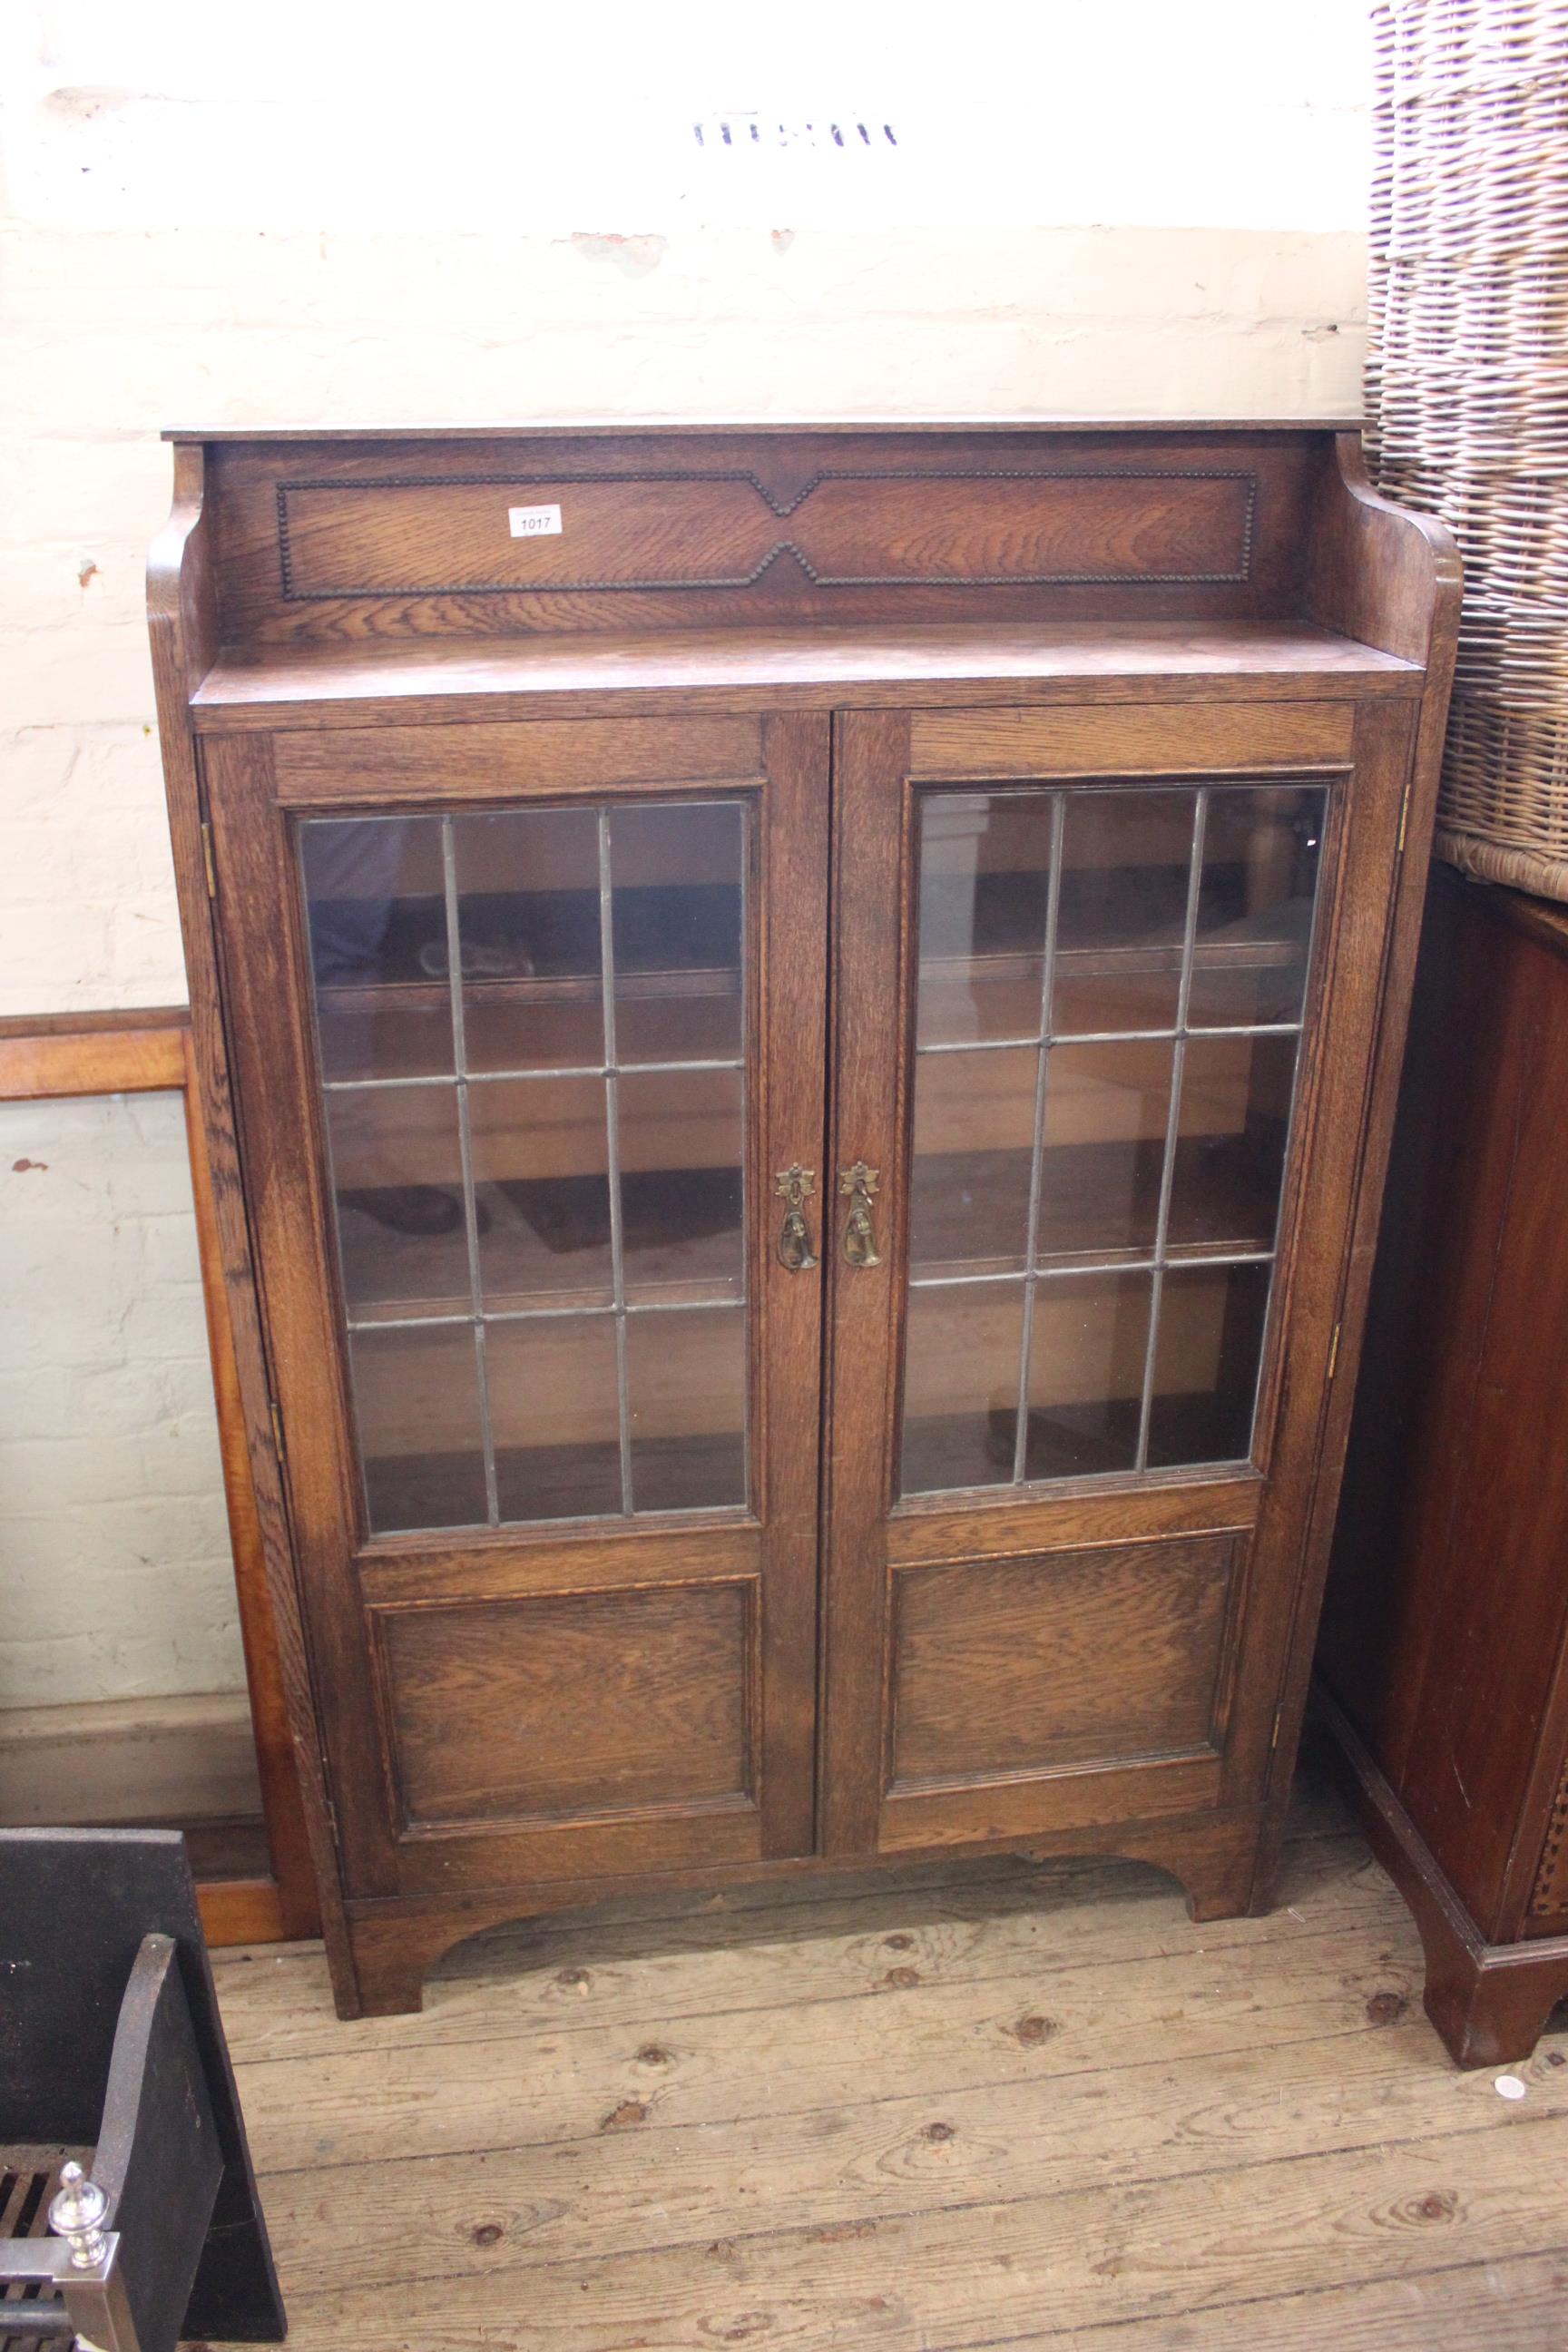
x,y
957,2107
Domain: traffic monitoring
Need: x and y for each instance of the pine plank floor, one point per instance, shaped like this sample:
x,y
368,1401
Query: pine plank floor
x,y
955,2105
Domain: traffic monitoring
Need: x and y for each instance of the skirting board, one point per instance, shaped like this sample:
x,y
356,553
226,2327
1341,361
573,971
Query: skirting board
x,y
120,1760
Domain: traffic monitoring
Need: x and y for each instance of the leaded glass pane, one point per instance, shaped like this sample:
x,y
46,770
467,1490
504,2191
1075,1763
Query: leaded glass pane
x,y
1109,990
530,1024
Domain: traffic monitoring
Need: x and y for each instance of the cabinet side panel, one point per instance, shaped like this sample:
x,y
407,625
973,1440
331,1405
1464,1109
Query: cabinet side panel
x,y
1452,1601
181,608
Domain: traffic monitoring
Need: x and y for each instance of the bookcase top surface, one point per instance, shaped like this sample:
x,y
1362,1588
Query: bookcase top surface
x,y
691,427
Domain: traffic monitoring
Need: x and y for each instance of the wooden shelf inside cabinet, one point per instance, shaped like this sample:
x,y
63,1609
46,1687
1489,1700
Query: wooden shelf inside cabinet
x,y
801,1047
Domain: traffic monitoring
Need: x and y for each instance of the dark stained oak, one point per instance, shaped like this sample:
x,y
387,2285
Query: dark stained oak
x,y
827,627
654,1684
1234,738
182,626
341,545
1061,1661
548,759
824,666
1445,1640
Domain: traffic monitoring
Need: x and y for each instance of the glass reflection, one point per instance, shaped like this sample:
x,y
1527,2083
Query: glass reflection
x,y
528,917
1261,850
687,1374
1107,1109
526,1209
984,907
961,1386
375,906
1208,1351
969,1182
1087,1347
1070,924
416,1404
1126,858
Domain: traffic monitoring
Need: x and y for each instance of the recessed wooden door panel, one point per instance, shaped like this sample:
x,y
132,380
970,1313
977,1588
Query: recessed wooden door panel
x,y
517,1073
1106,1005
1049,1663
652,1683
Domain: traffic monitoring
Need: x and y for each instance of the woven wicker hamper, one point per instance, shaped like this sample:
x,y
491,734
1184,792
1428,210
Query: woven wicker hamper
x,y
1467,391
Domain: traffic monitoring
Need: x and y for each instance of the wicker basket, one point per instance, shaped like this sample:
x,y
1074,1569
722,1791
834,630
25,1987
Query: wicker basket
x,y
1467,391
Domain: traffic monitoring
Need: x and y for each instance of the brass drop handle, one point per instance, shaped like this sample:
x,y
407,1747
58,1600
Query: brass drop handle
x,y
859,1186
795,1186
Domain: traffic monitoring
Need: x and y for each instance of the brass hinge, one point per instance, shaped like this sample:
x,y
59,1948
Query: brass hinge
x,y
207,860
1404,818
276,1426
1333,1354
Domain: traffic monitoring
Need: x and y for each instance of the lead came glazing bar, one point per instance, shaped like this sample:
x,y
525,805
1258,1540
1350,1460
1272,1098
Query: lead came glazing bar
x,y
466,1150
1173,1127
546,1072
1217,926
1037,1159
1067,1037
1074,1267
613,1145
438,939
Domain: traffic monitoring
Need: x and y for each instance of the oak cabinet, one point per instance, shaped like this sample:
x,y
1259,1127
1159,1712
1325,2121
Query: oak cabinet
x,y
800,1047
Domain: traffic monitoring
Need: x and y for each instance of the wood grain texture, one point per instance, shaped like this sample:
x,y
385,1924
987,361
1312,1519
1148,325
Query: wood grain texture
x,y
721,527
559,1704
391,539
420,680
1211,1853
1094,1511
244,1911
49,1056
1415,608
772,1687
286,1195
391,765
288,1834
183,625
868,1115
478,1567
1181,741
987,2103
1489,2002
321,694
874,850
1037,1664
1382,574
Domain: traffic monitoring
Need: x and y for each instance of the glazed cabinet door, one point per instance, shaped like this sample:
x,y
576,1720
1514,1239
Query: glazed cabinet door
x,y
1107,985
528,1022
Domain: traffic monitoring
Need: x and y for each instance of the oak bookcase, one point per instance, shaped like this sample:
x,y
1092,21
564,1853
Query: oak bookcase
x,y
797,1028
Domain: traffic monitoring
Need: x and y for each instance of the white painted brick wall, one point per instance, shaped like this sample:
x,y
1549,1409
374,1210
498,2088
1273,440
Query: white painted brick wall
x,y
475,233
112,1522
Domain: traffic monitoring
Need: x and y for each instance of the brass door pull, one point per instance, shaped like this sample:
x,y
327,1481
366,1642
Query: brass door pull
x,y
859,1186
795,1186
